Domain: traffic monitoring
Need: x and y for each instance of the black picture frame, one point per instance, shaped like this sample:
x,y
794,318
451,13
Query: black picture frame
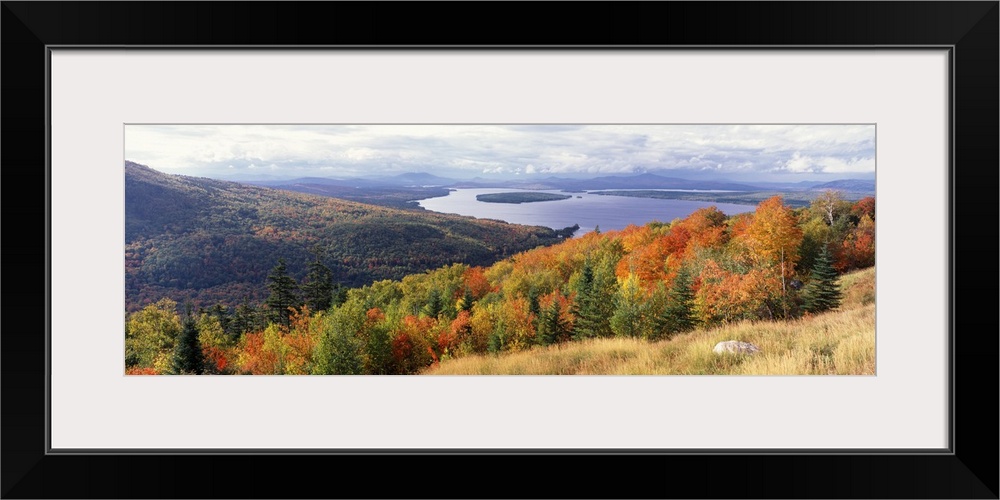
x,y
968,470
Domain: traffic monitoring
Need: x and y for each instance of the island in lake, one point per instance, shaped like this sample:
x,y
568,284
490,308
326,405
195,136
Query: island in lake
x,y
521,197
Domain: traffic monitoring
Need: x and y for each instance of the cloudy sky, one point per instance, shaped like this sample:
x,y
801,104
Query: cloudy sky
x,y
739,152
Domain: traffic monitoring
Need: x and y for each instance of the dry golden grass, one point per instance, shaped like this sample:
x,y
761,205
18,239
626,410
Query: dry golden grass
x,y
858,287
840,342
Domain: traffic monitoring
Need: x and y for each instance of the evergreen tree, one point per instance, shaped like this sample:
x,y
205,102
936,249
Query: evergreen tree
x,y
246,319
629,318
467,300
223,314
187,358
584,309
282,296
595,300
339,295
535,309
823,291
435,304
677,316
495,344
318,286
603,295
552,328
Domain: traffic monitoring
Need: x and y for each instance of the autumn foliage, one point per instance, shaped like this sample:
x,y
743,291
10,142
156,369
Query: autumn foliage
x,y
648,282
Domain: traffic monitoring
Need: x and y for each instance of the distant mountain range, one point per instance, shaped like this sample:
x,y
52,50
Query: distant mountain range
x,y
420,179
848,185
639,181
410,179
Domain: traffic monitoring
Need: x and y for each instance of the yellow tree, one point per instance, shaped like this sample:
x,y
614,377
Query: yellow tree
x,y
150,335
772,239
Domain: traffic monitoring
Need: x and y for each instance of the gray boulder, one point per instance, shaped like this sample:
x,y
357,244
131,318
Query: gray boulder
x,y
735,347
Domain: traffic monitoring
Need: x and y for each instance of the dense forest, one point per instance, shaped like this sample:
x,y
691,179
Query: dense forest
x,y
648,283
213,242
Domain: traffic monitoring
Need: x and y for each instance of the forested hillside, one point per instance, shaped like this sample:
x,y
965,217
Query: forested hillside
x,y
836,342
774,267
214,242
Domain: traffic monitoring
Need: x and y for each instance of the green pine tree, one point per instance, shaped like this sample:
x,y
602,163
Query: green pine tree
x,y
435,304
187,359
823,291
552,328
467,300
535,309
595,300
318,286
339,295
583,308
223,314
677,316
283,295
495,343
629,318
603,295
246,319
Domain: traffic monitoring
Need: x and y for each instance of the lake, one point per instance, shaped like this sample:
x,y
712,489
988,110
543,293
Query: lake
x,y
587,210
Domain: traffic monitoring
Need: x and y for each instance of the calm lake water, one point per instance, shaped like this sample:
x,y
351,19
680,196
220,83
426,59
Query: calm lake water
x,y
587,210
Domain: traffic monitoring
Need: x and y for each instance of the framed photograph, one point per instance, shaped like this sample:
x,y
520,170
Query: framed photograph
x,y
892,104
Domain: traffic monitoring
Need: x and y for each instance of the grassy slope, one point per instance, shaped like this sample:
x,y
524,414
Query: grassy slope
x,y
837,342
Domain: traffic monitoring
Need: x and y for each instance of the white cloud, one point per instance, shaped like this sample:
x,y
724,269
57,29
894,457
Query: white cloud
x,y
800,163
839,166
342,150
358,154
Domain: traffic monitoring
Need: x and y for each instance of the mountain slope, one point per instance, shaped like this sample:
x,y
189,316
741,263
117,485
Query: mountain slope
x,y
214,241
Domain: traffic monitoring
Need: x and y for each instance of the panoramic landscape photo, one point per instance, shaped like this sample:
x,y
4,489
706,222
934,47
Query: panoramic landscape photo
x,y
499,249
